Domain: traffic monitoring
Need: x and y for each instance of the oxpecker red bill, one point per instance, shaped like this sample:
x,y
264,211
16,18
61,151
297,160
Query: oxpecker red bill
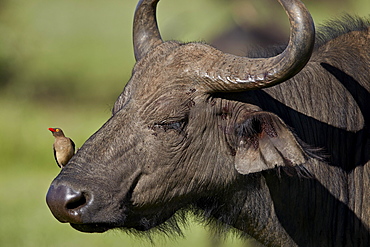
x,y
63,147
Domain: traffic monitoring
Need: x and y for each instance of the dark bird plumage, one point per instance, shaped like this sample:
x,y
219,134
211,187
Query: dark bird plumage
x,y
63,147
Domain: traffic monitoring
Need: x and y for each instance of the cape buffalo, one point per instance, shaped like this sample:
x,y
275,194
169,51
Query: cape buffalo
x,y
275,145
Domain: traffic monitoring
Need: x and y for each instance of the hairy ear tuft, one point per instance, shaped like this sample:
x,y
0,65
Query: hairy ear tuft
x,y
264,141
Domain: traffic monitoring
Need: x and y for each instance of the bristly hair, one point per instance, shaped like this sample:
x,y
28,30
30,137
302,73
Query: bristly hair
x,y
170,229
334,28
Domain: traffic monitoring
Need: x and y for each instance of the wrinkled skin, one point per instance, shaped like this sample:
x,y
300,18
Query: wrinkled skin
x,y
171,144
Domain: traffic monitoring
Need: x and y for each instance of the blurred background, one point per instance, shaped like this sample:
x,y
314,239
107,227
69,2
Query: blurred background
x,y
63,63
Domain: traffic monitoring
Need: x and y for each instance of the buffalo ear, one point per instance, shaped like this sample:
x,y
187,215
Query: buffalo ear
x,y
264,141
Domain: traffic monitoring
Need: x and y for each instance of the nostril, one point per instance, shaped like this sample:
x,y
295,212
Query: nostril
x,y
66,203
76,201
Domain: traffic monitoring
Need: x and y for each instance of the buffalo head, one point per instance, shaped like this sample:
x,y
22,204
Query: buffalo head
x,y
172,142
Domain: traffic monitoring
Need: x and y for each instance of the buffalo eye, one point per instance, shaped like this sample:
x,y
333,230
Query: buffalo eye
x,y
169,125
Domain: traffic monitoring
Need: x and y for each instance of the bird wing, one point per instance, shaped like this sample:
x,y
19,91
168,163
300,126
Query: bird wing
x,y
55,156
73,145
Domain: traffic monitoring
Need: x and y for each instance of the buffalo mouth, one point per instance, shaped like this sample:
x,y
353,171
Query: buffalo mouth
x,y
134,222
103,227
92,228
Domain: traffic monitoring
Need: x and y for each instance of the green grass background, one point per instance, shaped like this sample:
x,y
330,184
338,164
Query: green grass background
x,y
62,64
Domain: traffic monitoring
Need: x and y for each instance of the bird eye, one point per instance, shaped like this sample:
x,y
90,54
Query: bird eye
x,y
57,130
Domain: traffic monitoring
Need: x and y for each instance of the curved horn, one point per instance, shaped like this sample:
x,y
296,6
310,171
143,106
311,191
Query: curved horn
x,y
234,73
146,34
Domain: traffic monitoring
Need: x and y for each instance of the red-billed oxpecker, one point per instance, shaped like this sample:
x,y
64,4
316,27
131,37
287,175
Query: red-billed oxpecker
x,y
63,147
